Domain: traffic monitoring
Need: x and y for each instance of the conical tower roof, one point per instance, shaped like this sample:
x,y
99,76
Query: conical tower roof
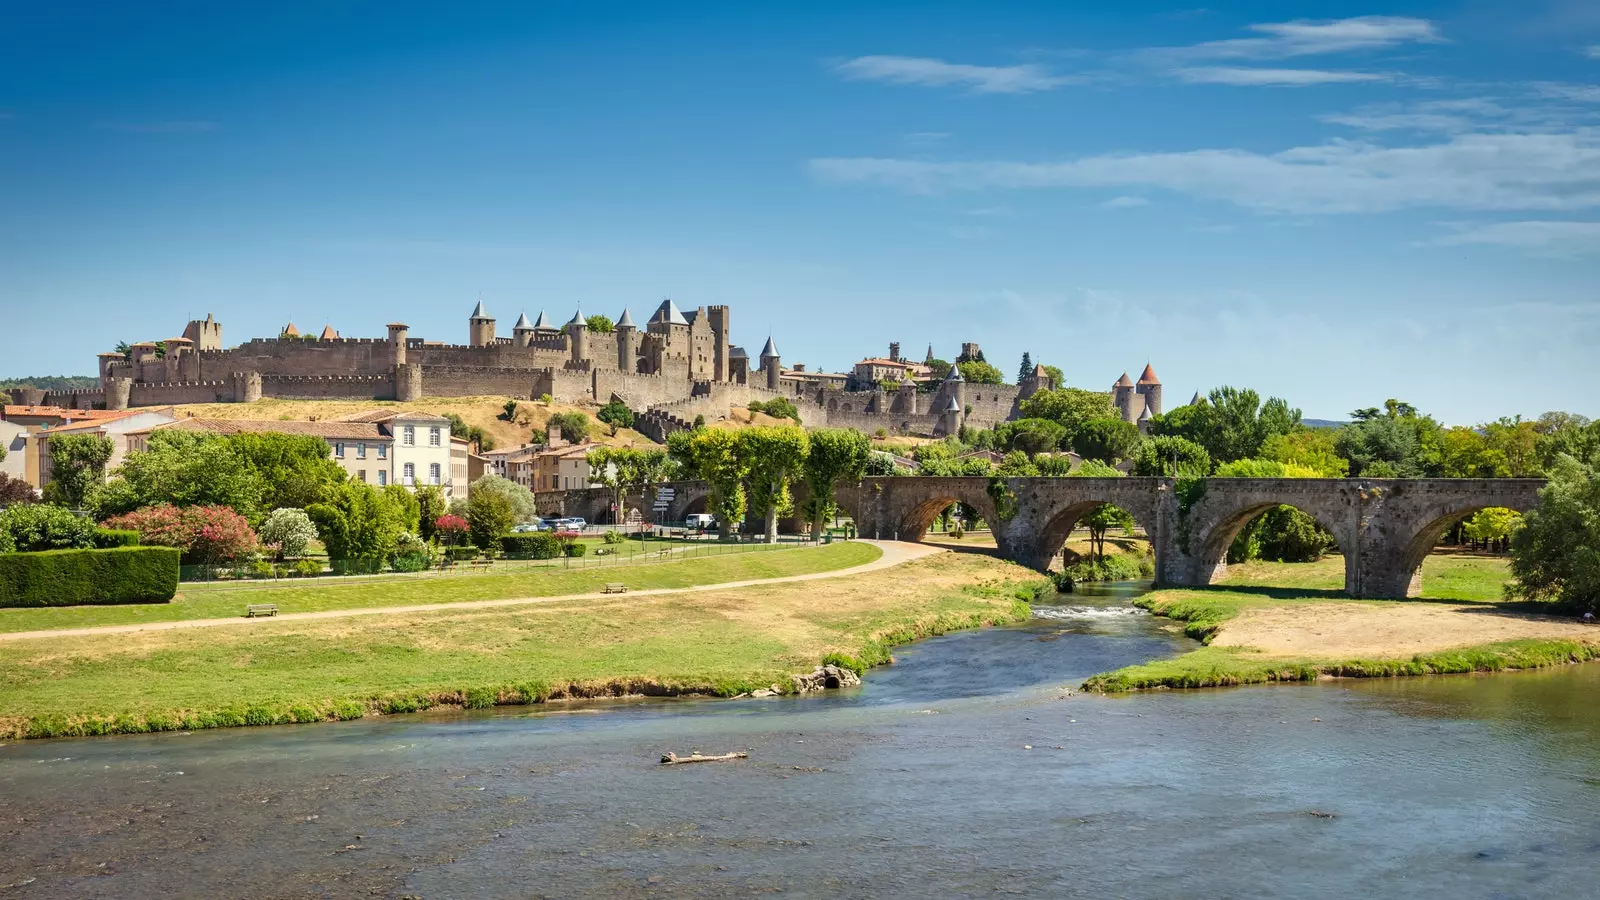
x,y
929,358
1195,400
478,313
954,374
770,350
1148,376
626,321
328,334
577,319
290,331
522,323
543,323
952,406
1124,381
669,313
1144,415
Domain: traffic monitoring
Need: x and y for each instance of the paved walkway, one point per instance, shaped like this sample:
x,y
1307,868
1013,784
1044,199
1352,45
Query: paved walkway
x,y
894,554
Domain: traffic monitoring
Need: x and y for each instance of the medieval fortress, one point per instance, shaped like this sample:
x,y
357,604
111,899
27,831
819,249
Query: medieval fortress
x,y
679,366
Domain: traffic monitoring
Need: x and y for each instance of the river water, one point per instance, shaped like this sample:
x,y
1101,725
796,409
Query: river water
x,y
919,784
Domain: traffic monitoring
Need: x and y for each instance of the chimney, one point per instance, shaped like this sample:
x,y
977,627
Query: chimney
x,y
552,434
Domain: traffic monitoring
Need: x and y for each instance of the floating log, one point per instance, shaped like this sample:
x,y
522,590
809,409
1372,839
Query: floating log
x,y
673,759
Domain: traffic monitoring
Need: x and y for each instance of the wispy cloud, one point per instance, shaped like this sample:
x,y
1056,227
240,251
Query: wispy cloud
x,y
1246,76
1560,90
1541,238
924,72
1283,40
1124,202
1592,51
1529,171
164,127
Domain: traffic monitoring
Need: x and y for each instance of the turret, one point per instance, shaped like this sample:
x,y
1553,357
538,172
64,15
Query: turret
x,y
399,332
522,332
578,337
480,328
1122,398
1144,421
894,351
950,418
770,364
1149,390
721,342
955,386
627,344
543,325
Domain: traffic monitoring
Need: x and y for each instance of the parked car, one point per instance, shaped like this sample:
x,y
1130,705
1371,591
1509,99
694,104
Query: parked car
x,y
525,527
574,523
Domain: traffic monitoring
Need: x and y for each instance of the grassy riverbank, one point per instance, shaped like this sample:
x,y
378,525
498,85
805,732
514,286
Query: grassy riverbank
x,y
716,642
223,600
1288,622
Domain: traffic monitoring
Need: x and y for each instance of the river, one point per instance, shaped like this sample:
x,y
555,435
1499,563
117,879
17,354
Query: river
x,y
919,784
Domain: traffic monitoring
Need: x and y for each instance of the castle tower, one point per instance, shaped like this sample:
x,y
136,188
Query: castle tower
x,y
399,332
908,397
950,419
1122,398
955,387
407,383
894,351
627,344
1144,421
480,328
542,326
578,338
204,335
522,332
1149,390
1037,380
119,392
108,362
721,343
770,364
246,386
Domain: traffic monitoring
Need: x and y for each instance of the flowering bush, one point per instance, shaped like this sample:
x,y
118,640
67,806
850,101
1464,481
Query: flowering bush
x,y
451,529
206,534
289,531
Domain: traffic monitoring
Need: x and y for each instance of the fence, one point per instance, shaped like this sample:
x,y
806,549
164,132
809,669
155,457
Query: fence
x,y
600,556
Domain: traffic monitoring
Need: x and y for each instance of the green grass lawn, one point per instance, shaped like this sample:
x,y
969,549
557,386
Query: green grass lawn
x,y
716,641
224,600
1455,577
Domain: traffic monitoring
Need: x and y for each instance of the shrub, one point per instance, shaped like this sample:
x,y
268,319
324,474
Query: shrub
x,y
306,568
409,562
576,548
260,569
615,537
78,577
459,553
532,545
206,535
106,538
290,530
39,527
1104,568
451,529
616,414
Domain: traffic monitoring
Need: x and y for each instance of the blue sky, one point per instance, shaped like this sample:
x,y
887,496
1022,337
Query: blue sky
x,y
1332,202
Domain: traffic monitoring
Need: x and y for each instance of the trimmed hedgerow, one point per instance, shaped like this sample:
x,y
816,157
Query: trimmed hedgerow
x,y
79,577
106,538
532,544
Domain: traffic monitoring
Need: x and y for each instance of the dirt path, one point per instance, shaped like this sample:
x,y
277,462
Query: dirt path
x,y
894,553
1389,630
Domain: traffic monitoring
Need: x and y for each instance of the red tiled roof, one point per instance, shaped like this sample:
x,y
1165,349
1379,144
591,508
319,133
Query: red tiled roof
x,y
64,413
1149,376
1124,381
332,429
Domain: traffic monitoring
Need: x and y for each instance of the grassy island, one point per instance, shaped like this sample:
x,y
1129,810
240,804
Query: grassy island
x,y
1290,622
717,641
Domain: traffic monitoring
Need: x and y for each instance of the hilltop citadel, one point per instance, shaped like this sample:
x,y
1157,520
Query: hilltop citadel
x,y
679,366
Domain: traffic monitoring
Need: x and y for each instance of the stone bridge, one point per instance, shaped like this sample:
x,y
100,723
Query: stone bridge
x,y
1383,526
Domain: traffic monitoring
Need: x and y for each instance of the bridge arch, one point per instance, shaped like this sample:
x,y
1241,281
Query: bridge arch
x,y
1415,535
902,508
1063,502
1210,550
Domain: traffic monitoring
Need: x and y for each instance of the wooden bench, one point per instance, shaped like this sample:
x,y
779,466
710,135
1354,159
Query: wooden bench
x,y
480,563
260,609
615,587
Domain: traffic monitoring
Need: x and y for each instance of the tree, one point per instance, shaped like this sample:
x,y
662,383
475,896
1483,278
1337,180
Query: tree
x,y
976,371
451,529
1394,442
508,412
624,470
206,535
1026,369
289,530
405,506
1494,523
521,499
616,414
1057,377
34,526
431,504
937,370
77,464
188,468
1566,433
1555,556
15,490
778,408
714,456
574,426
1314,448
1068,407
358,523
1104,517
775,457
1031,436
1016,464
291,470
1108,440
1173,457
460,429
600,324
1283,533
1231,424
489,516
879,463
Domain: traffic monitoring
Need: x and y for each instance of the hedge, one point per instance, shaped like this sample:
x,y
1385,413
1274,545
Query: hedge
x,y
106,538
532,545
78,577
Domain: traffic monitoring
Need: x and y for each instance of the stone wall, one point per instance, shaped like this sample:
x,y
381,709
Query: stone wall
x,y
328,387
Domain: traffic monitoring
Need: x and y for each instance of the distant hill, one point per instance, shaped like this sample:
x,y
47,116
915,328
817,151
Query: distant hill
x,y
52,382
1322,423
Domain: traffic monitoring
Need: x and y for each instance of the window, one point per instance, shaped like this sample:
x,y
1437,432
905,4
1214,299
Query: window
x,y
338,450
555,482
433,436
410,473
410,436
383,451
383,477
433,473
361,451
361,474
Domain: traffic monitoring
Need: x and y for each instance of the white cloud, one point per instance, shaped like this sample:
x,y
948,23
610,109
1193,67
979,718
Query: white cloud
x,y
1398,121
1124,202
1533,171
1592,51
1559,90
1246,76
1544,238
1307,38
924,72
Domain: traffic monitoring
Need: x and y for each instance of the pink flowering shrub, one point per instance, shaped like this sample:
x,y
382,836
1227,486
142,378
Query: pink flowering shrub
x,y
206,534
451,530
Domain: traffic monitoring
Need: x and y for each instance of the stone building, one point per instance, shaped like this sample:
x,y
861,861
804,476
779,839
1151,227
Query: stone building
x,y
1137,402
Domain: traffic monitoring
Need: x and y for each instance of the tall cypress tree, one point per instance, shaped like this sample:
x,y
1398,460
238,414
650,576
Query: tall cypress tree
x,y
1027,366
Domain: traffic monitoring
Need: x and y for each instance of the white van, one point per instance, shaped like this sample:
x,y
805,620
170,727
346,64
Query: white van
x,y
700,521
